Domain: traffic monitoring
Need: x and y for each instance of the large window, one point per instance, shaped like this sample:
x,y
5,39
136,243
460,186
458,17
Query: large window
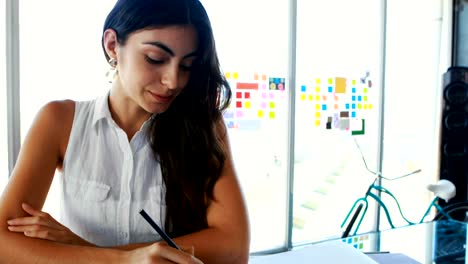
x,y
61,58
337,101
3,101
344,62
413,89
253,50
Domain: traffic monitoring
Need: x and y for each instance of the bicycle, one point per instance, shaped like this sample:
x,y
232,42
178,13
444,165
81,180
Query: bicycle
x,y
443,189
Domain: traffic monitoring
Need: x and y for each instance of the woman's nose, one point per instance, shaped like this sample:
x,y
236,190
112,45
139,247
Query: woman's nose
x,y
170,77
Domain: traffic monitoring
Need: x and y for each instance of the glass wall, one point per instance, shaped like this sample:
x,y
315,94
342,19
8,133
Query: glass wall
x,y
413,89
337,99
3,101
337,112
61,58
252,43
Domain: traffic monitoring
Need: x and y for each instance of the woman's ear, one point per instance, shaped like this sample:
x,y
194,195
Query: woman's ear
x,y
110,43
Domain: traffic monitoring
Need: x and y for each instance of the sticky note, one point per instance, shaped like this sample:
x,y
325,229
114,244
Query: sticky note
x,y
272,115
235,76
303,97
239,104
264,77
317,81
247,104
317,97
228,75
260,113
247,95
340,85
330,81
317,114
317,107
238,95
263,105
311,97
272,104
317,122
317,89
256,76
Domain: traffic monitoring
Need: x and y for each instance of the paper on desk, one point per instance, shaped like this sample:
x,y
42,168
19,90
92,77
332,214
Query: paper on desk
x,y
332,252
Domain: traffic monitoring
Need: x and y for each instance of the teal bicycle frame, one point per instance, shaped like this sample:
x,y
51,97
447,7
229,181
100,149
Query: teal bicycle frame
x,y
363,202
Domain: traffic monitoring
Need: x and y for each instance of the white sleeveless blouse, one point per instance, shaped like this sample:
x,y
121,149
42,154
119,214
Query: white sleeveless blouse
x,y
107,180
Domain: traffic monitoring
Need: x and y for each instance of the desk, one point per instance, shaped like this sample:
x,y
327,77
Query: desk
x,y
442,242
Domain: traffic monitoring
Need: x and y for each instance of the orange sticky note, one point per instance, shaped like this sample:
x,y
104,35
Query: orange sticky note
x,y
340,85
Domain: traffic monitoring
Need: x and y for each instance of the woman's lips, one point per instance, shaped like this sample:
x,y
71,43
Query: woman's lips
x,y
161,98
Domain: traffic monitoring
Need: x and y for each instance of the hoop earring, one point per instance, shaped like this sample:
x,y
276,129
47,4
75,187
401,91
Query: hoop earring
x,y
112,72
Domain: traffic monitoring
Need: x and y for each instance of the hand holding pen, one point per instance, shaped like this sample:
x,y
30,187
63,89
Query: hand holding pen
x,y
170,252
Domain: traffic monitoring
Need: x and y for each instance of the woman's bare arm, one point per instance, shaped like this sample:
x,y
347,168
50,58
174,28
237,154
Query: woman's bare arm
x,y
30,181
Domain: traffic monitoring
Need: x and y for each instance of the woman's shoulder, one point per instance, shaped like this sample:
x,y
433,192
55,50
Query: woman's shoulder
x,y
59,110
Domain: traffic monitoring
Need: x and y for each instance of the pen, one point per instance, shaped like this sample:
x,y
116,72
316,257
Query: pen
x,y
163,234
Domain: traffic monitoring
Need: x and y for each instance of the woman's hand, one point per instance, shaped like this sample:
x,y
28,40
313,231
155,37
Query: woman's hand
x,y
161,253
41,225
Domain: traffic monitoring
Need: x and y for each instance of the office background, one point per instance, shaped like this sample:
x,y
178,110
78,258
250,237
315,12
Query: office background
x,y
308,78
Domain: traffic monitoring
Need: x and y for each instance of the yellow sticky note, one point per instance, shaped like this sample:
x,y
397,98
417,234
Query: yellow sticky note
x,y
311,97
272,115
317,97
272,104
330,81
365,98
303,97
365,106
317,114
247,104
359,106
235,75
340,85
317,107
353,82
228,75
317,122
317,81
260,113
317,89
370,106
365,90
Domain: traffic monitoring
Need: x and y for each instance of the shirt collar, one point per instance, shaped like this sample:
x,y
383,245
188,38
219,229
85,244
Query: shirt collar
x,y
101,109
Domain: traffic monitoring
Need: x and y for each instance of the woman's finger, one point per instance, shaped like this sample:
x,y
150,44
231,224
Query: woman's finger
x,y
32,211
33,220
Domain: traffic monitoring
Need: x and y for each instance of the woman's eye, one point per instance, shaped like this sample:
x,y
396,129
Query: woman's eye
x,y
153,61
185,67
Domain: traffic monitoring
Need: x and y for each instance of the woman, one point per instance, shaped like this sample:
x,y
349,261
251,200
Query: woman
x,y
156,141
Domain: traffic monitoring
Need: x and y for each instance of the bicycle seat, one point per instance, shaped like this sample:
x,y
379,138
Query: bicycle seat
x,y
444,189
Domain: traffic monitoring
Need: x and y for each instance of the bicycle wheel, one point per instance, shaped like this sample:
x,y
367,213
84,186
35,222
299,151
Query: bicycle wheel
x,y
457,211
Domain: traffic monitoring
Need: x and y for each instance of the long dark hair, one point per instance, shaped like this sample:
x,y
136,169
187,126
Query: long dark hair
x,y
185,139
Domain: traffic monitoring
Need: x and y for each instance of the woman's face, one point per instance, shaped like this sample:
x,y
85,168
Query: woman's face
x,y
154,65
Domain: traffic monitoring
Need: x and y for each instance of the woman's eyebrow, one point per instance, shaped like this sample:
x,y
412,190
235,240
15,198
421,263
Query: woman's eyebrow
x,y
167,49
